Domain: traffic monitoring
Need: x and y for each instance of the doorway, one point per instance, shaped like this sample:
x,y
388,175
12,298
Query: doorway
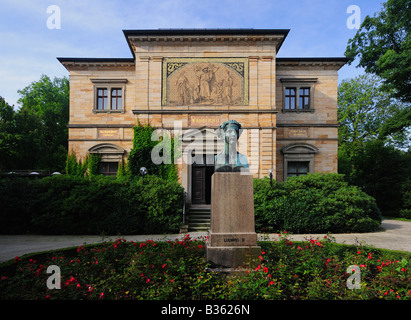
x,y
201,183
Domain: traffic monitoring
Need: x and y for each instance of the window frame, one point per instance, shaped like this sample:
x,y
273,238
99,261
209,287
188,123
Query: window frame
x,y
298,152
298,84
297,173
290,96
109,85
109,165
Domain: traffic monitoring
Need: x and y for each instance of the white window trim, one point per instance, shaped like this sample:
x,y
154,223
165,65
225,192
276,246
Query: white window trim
x,y
109,84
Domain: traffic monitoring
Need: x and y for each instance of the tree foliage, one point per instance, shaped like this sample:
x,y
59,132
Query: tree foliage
x,y
383,45
366,112
144,141
35,135
372,152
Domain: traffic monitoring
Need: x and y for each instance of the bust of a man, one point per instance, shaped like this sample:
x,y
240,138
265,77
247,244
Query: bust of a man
x,y
229,160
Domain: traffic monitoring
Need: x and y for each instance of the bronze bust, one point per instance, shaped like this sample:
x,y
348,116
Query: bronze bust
x,y
230,160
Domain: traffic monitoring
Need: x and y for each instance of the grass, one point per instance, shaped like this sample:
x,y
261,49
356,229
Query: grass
x,y
177,270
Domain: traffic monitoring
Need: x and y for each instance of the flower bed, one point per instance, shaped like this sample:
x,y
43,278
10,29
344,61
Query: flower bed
x,y
313,269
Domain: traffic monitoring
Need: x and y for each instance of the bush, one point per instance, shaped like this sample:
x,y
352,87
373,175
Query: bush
x,y
312,204
18,197
178,270
74,205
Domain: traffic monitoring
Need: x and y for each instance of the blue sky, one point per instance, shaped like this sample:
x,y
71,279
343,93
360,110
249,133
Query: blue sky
x,y
92,28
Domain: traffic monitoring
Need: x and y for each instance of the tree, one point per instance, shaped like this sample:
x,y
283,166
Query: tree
x,y
369,153
383,171
383,45
19,138
48,102
363,109
7,137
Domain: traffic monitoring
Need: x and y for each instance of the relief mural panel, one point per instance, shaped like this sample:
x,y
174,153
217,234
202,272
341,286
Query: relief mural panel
x,y
205,81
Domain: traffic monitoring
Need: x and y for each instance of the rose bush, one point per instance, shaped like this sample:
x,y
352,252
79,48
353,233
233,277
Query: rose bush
x,y
312,269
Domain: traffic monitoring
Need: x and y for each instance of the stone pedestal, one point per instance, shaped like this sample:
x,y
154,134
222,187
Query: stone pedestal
x,y
232,240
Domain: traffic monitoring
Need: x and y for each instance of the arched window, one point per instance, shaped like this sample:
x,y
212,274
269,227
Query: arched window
x,y
111,156
298,159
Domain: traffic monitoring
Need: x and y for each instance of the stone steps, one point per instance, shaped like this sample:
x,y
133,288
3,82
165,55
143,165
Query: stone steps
x,y
199,218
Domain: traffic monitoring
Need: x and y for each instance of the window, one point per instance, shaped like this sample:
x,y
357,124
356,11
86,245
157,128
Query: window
x,y
110,156
102,99
290,98
298,159
109,95
116,98
304,98
108,168
297,168
298,94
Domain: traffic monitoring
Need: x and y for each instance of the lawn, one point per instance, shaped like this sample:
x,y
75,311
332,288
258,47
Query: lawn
x,y
285,270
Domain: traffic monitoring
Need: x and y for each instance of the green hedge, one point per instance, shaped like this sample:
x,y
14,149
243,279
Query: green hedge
x,y
74,205
314,203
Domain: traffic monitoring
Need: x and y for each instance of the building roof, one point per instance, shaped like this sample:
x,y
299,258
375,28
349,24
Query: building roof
x,y
192,35
203,32
147,35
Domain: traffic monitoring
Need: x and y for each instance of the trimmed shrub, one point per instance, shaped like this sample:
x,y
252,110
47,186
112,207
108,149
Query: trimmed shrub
x,y
312,204
74,205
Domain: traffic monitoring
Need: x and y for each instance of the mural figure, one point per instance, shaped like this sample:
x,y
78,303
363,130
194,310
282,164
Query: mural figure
x,y
204,83
183,89
228,89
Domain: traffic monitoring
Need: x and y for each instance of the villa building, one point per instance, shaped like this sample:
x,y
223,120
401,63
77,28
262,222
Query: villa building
x,y
196,79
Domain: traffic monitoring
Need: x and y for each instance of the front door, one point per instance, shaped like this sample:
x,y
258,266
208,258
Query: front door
x,y
201,184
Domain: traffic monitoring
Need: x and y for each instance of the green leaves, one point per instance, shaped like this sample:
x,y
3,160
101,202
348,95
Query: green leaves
x,y
145,139
383,45
312,204
75,205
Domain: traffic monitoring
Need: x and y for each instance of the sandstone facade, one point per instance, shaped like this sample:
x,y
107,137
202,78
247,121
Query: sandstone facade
x,y
199,79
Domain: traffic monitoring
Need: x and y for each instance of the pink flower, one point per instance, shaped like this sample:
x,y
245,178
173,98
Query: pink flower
x,y
101,295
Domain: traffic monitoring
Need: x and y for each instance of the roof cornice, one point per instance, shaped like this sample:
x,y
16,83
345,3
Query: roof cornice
x,y
312,61
72,63
205,35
